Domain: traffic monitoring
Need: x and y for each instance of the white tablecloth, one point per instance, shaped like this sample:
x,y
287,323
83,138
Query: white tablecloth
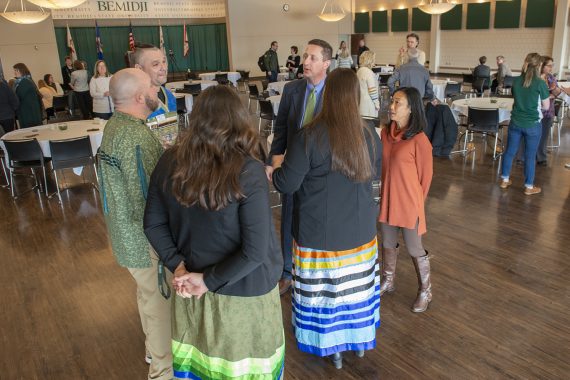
x,y
233,76
275,100
276,87
439,87
385,69
282,76
189,99
45,133
504,105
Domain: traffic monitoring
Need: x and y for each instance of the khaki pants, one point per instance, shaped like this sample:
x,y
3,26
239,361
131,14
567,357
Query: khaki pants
x,y
154,311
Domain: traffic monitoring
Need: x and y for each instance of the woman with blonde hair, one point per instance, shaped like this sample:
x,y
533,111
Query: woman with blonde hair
x,y
529,90
99,90
208,217
369,100
47,93
344,59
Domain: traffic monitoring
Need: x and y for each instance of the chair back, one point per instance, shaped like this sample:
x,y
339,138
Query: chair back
x,y
181,104
377,69
467,78
383,79
266,110
60,103
245,75
508,81
71,153
193,88
452,89
480,84
264,84
253,91
23,150
483,120
221,78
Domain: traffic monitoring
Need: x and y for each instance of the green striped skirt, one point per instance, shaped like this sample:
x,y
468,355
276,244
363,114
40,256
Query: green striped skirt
x,y
228,337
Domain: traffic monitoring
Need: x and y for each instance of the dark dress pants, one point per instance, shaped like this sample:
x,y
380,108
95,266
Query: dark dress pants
x,y
286,235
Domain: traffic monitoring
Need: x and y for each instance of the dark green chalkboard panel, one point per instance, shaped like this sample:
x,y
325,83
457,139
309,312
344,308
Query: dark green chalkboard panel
x,y
507,14
379,21
452,20
421,21
539,14
478,16
399,20
362,22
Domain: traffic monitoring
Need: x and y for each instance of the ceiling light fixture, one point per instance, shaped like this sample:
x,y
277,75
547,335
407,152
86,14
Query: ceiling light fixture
x,y
57,4
436,7
23,16
332,11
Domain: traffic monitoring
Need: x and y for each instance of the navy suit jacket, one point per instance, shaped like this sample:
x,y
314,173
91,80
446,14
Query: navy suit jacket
x,y
290,115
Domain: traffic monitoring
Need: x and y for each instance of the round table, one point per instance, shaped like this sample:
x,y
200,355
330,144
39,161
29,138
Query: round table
x,y
439,87
188,98
45,133
275,100
233,76
276,88
504,105
282,76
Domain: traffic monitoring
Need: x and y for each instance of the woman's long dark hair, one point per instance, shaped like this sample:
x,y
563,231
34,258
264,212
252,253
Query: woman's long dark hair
x,y
210,155
341,116
417,122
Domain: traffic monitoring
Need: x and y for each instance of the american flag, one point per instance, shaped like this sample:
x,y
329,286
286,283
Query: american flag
x,y
98,42
131,38
186,44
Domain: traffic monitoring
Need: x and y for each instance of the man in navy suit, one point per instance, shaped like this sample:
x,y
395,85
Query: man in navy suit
x,y
300,102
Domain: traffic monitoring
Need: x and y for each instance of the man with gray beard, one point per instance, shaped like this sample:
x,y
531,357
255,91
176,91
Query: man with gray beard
x,y
129,152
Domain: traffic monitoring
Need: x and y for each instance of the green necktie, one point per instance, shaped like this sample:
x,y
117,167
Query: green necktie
x,y
310,107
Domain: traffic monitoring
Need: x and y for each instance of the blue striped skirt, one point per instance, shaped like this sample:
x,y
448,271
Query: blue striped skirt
x,y
336,299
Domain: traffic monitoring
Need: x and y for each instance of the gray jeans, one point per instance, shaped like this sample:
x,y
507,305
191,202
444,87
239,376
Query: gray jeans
x,y
411,238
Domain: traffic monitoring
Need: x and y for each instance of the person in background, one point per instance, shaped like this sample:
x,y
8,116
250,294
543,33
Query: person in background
x,y
361,48
272,62
329,168
503,70
407,171
66,71
128,154
209,219
412,74
412,42
47,93
8,106
549,113
79,84
531,95
293,62
482,70
30,109
99,90
343,57
300,103
48,78
369,101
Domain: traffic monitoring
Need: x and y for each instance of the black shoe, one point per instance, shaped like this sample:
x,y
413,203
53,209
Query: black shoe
x,y
542,163
337,360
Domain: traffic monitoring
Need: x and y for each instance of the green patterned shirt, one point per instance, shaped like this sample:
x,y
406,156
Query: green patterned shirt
x,y
128,154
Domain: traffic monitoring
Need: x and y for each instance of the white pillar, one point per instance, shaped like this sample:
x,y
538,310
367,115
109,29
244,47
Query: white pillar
x,y
434,44
559,42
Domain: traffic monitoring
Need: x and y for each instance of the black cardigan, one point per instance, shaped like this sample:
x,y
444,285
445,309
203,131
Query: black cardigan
x,y
330,212
236,247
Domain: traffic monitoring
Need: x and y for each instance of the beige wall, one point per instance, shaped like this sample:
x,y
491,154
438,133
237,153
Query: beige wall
x,y
253,24
33,45
387,45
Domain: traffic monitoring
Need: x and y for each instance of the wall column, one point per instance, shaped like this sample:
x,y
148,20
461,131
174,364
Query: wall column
x,y
434,43
559,43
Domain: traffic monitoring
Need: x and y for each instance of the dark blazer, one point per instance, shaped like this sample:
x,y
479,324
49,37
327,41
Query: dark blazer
x,y
236,247
290,114
30,110
441,129
482,71
330,212
8,101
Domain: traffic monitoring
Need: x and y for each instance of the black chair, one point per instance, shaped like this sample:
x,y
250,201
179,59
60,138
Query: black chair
x,y
480,85
192,76
266,113
222,78
452,89
71,153
383,79
25,153
253,95
60,105
181,104
467,79
244,79
558,121
484,122
192,88
507,85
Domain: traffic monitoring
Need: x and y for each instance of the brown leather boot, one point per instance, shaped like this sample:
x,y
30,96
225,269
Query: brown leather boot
x,y
389,260
424,284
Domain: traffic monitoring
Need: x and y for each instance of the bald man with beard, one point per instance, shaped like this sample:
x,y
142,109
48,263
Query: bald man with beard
x,y
129,152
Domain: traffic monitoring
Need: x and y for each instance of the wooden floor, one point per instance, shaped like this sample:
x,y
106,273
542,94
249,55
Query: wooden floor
x,y
501,306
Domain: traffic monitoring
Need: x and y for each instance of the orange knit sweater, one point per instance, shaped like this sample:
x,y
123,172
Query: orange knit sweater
x,y
407,170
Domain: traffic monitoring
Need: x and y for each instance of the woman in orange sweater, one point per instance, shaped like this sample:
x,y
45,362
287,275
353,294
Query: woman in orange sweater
x,y
407,169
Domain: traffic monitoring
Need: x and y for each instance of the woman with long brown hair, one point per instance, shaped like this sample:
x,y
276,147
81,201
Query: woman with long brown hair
x,y
329,167
30,109
529,91
208,218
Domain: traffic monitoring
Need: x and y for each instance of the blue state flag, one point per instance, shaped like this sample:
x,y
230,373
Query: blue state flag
x,y
98,42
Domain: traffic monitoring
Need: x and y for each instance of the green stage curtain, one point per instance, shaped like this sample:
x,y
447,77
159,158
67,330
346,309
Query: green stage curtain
x,y
208,45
